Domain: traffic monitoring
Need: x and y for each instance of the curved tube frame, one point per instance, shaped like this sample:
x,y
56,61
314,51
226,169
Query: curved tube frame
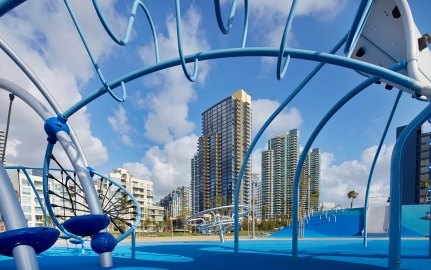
x,y
93,60
357,26
309,143
42,89
379,72
264,127
282,67
225,29
396,182
194,76
342,61
130,24
373,165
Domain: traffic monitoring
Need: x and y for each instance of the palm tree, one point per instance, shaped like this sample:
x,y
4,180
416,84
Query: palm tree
x,y
352,195
314,199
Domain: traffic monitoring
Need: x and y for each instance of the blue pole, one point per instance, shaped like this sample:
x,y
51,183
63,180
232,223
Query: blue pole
x,y
396,183
357,25
259,134
373,165
328,58
8,5
307,147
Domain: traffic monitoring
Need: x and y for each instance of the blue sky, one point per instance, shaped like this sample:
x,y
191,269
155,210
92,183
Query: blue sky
x,y
154,133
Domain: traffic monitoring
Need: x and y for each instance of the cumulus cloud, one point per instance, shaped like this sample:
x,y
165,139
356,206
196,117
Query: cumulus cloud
x,y
286,120
272,13
168,117
120,124
338,179
168,165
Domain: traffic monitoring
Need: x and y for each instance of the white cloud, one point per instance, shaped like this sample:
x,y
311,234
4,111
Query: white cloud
x,y
338,179
42,33
267,14
168,117
120,124
167,166
285,121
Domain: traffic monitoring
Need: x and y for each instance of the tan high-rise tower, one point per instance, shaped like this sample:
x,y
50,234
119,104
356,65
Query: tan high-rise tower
x,y
226,137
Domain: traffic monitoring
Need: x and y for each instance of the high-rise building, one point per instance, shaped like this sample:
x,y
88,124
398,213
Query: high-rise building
x,y
278,172
194,185
226,136
416,174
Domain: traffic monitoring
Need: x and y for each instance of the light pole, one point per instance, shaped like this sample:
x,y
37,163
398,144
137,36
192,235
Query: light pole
x,y
254,182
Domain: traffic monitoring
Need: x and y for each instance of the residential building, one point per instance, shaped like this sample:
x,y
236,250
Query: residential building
x,y
416,174
142,190
178,205
195,185
278,171
31,207
226,137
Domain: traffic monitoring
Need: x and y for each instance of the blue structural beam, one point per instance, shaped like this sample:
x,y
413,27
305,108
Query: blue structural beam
x,y
373,165
260,132
8,5
309,143
394,261
328,58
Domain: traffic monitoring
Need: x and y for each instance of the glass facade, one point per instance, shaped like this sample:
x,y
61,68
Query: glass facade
x,y
416,174
226,136
278,171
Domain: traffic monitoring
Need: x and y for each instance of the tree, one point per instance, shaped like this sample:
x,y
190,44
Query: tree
x,y
425,184
314,199
352,195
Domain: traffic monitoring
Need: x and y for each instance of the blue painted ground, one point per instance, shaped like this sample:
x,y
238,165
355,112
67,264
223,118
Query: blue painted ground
x,y
254,254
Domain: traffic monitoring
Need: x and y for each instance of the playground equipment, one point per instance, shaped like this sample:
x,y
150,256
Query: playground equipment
x,y
218,220
382,44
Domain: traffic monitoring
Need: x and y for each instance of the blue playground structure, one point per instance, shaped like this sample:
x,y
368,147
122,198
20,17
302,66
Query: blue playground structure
x,y
383,44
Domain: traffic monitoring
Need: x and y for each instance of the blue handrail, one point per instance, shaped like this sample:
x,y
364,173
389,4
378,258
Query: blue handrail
x,y
373,165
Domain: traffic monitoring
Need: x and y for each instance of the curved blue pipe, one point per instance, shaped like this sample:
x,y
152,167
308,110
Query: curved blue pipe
x,y
396,183
194,76
357,25
45,173
93,60
130,24
8,5
309,143
282,67
353,64
373,165
259,134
